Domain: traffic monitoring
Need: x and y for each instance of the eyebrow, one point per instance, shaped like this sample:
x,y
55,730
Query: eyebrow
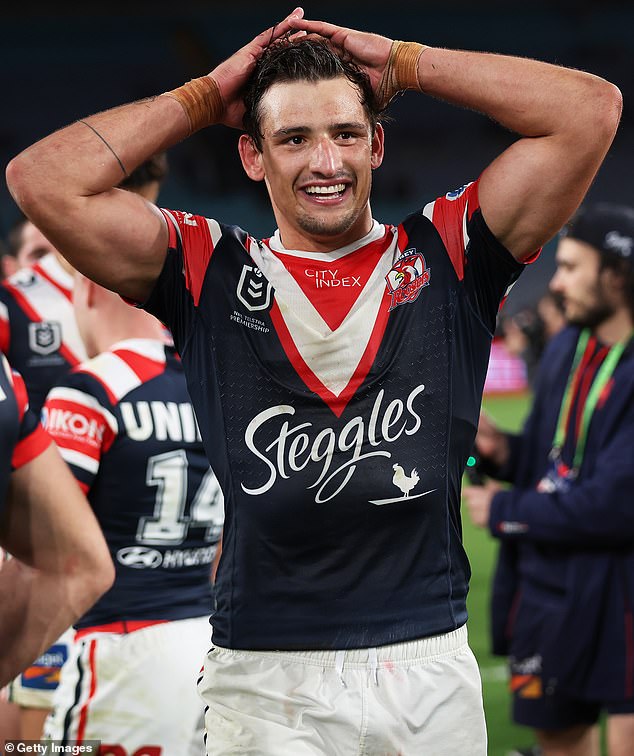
x,y
348,126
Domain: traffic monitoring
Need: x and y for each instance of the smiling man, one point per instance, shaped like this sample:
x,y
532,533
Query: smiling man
x,y
342,586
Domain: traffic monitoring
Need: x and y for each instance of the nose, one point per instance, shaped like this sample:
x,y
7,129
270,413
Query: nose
x,y
325,158
556,283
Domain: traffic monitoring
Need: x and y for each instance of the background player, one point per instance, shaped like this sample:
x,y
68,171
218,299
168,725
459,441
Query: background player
x,y
125,425
309,395
60,563
39,333
564,587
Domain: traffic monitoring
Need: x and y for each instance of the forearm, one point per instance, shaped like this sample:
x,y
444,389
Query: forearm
x,y
93,155
36,609
529,97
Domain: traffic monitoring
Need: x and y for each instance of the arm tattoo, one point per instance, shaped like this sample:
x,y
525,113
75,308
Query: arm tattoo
x,y
125,173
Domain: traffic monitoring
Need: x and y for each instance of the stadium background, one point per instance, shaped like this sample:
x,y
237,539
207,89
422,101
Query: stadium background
x,y
61,61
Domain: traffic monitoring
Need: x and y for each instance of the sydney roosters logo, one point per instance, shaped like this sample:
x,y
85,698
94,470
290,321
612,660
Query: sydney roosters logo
x,y
407,278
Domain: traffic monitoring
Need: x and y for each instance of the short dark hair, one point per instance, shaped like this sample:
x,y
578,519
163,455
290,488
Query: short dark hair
x,y
153,169
609,229
306,59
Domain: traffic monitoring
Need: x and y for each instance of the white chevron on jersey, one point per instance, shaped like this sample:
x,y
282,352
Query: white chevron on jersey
x,y
46,302
78,459
118,374
332,356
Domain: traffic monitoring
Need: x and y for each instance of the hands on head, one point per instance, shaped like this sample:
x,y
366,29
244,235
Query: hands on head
x,y
391,67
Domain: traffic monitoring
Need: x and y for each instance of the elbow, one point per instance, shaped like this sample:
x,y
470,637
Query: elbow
x,y
606,108
20,178
93,579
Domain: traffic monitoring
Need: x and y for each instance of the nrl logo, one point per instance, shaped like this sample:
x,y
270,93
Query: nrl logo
x,y
407,278
45,337
254,291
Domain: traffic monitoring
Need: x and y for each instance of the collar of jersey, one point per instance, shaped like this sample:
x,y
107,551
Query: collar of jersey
x,y
153,349
376,232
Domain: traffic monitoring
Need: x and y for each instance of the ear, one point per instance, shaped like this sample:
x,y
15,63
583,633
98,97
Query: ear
x,y
9,265
251,158
377,147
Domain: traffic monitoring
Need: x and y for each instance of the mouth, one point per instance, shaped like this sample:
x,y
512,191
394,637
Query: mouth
x,y
325,193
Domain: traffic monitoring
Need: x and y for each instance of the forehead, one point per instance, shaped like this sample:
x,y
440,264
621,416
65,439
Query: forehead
x,y
311,103
573,251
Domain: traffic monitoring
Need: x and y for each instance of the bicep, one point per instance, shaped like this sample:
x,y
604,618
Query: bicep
x,y
115,238
529,192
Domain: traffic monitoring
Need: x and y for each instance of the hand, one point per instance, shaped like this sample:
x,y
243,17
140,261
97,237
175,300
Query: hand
x,y
370,52
478,500
491,442
232,74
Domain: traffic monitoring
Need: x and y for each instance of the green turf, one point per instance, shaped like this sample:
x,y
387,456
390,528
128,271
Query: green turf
x,y
481,548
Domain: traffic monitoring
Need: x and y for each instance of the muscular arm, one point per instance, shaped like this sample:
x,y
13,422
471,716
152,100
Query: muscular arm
x,y
566,118
61,562
65,183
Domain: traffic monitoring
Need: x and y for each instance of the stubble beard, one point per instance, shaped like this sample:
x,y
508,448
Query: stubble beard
x,y
595,314
323,226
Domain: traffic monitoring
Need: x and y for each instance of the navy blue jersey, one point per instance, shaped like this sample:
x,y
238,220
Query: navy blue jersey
x,y
38,331
338,396
125,425
22,437
571,549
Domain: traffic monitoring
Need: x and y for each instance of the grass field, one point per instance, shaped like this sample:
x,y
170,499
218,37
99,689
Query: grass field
x,y
481,548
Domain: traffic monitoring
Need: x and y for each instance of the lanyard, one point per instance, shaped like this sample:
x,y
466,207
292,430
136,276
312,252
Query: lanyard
x,y
601,379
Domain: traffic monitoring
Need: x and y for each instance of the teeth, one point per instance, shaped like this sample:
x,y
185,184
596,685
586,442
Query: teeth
x,y
335,189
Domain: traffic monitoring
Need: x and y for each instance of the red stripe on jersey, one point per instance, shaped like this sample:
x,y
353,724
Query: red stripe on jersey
x,y
336,403
333,286
35,317
5,335
197,248
83,714
68,293
21,394
144,367
403,239
30,447
448,217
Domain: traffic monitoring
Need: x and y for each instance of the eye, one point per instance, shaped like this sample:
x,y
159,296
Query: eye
x,y
295,139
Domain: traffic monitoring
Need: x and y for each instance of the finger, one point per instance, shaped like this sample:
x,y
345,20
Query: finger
x,y
279,30
315,27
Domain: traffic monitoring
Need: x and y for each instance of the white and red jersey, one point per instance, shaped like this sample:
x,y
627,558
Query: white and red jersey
x,y
22,438
124,423
338,396
38,330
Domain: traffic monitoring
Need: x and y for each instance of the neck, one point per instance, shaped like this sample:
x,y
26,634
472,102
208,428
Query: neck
x,y
615,328
145,328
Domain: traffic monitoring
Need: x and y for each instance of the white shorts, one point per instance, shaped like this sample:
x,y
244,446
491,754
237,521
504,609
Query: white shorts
x,y
135,690
36,686
420,698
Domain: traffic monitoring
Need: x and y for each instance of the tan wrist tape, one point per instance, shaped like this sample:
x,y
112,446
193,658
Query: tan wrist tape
x,y
401,71
201,101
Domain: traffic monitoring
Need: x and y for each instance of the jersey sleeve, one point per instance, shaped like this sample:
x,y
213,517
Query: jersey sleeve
x,y
5,322
32,438
192,240
486,268
82,425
